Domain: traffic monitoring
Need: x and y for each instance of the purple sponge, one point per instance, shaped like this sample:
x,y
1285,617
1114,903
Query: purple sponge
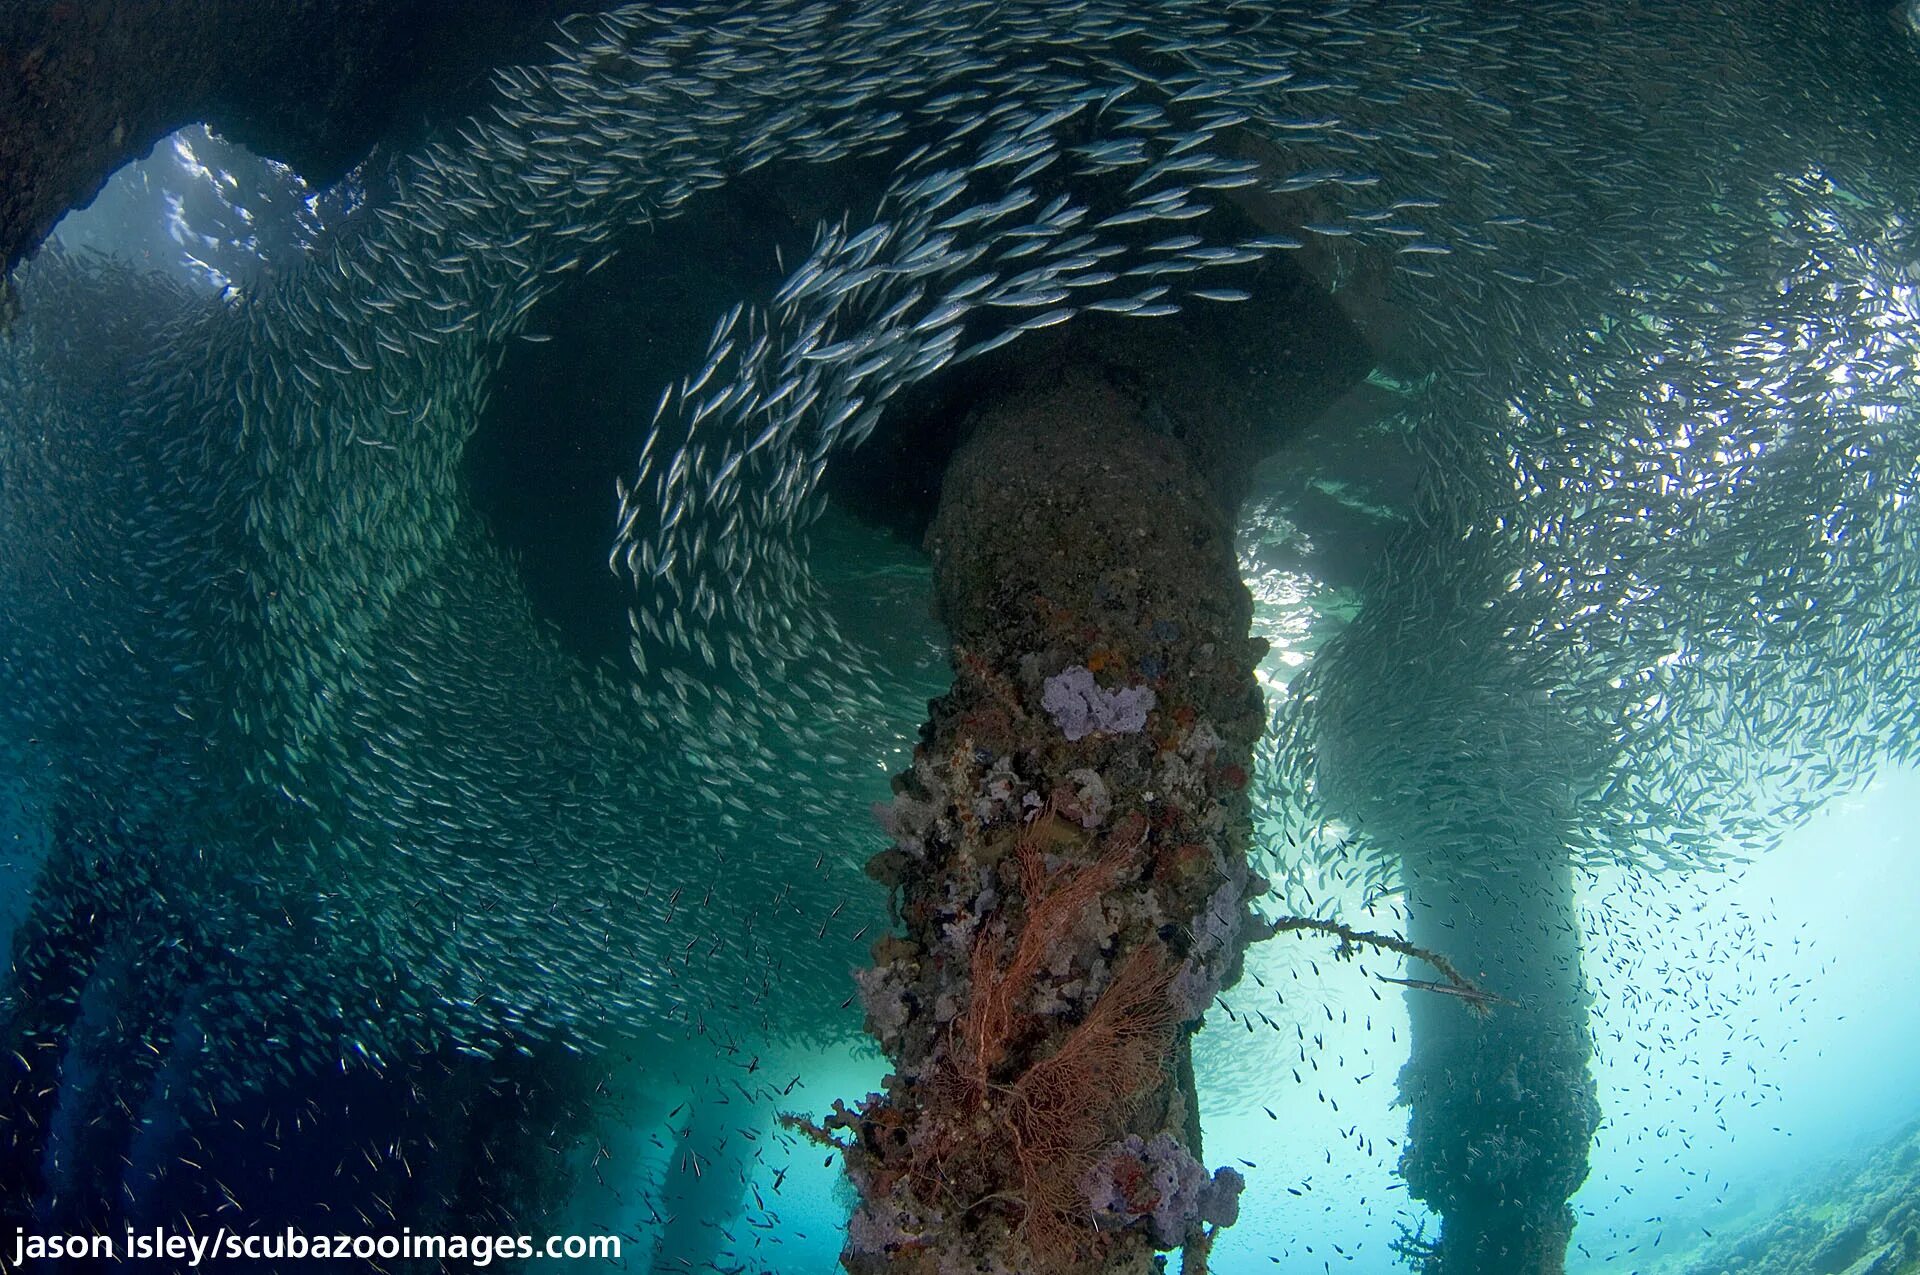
x,y
1079,707
1159,1182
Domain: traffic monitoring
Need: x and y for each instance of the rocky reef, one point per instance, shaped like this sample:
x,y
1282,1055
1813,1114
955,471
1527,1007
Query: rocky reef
x,y
1861,1218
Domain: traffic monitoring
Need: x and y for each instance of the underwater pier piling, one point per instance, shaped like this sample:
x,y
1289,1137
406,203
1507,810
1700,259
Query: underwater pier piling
x,y
1069,856
1463,767
1504,1105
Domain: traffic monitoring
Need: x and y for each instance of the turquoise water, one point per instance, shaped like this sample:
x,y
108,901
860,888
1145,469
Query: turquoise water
x,y
1784,1048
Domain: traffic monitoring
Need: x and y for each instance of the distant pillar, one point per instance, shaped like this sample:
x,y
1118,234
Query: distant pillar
x,y
1439,738
64,938
1503,1104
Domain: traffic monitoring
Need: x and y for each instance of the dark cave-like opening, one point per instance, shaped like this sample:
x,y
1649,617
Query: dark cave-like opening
x,y
574,398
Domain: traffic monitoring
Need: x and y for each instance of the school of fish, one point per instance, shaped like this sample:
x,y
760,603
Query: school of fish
x,y
1655,287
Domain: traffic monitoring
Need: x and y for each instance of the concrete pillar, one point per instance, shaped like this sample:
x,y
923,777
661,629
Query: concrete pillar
x,y
1503,1104
1069,855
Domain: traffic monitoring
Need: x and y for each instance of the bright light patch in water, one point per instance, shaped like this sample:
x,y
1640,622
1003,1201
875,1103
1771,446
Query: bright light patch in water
x,y
207,211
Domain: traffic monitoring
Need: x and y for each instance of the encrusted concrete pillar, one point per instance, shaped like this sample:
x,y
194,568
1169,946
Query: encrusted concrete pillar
x,y
1442,740
1069,856
1503,1104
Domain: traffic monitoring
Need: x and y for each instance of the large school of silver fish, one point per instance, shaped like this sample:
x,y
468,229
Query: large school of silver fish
x,y
1658,283
1656,592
